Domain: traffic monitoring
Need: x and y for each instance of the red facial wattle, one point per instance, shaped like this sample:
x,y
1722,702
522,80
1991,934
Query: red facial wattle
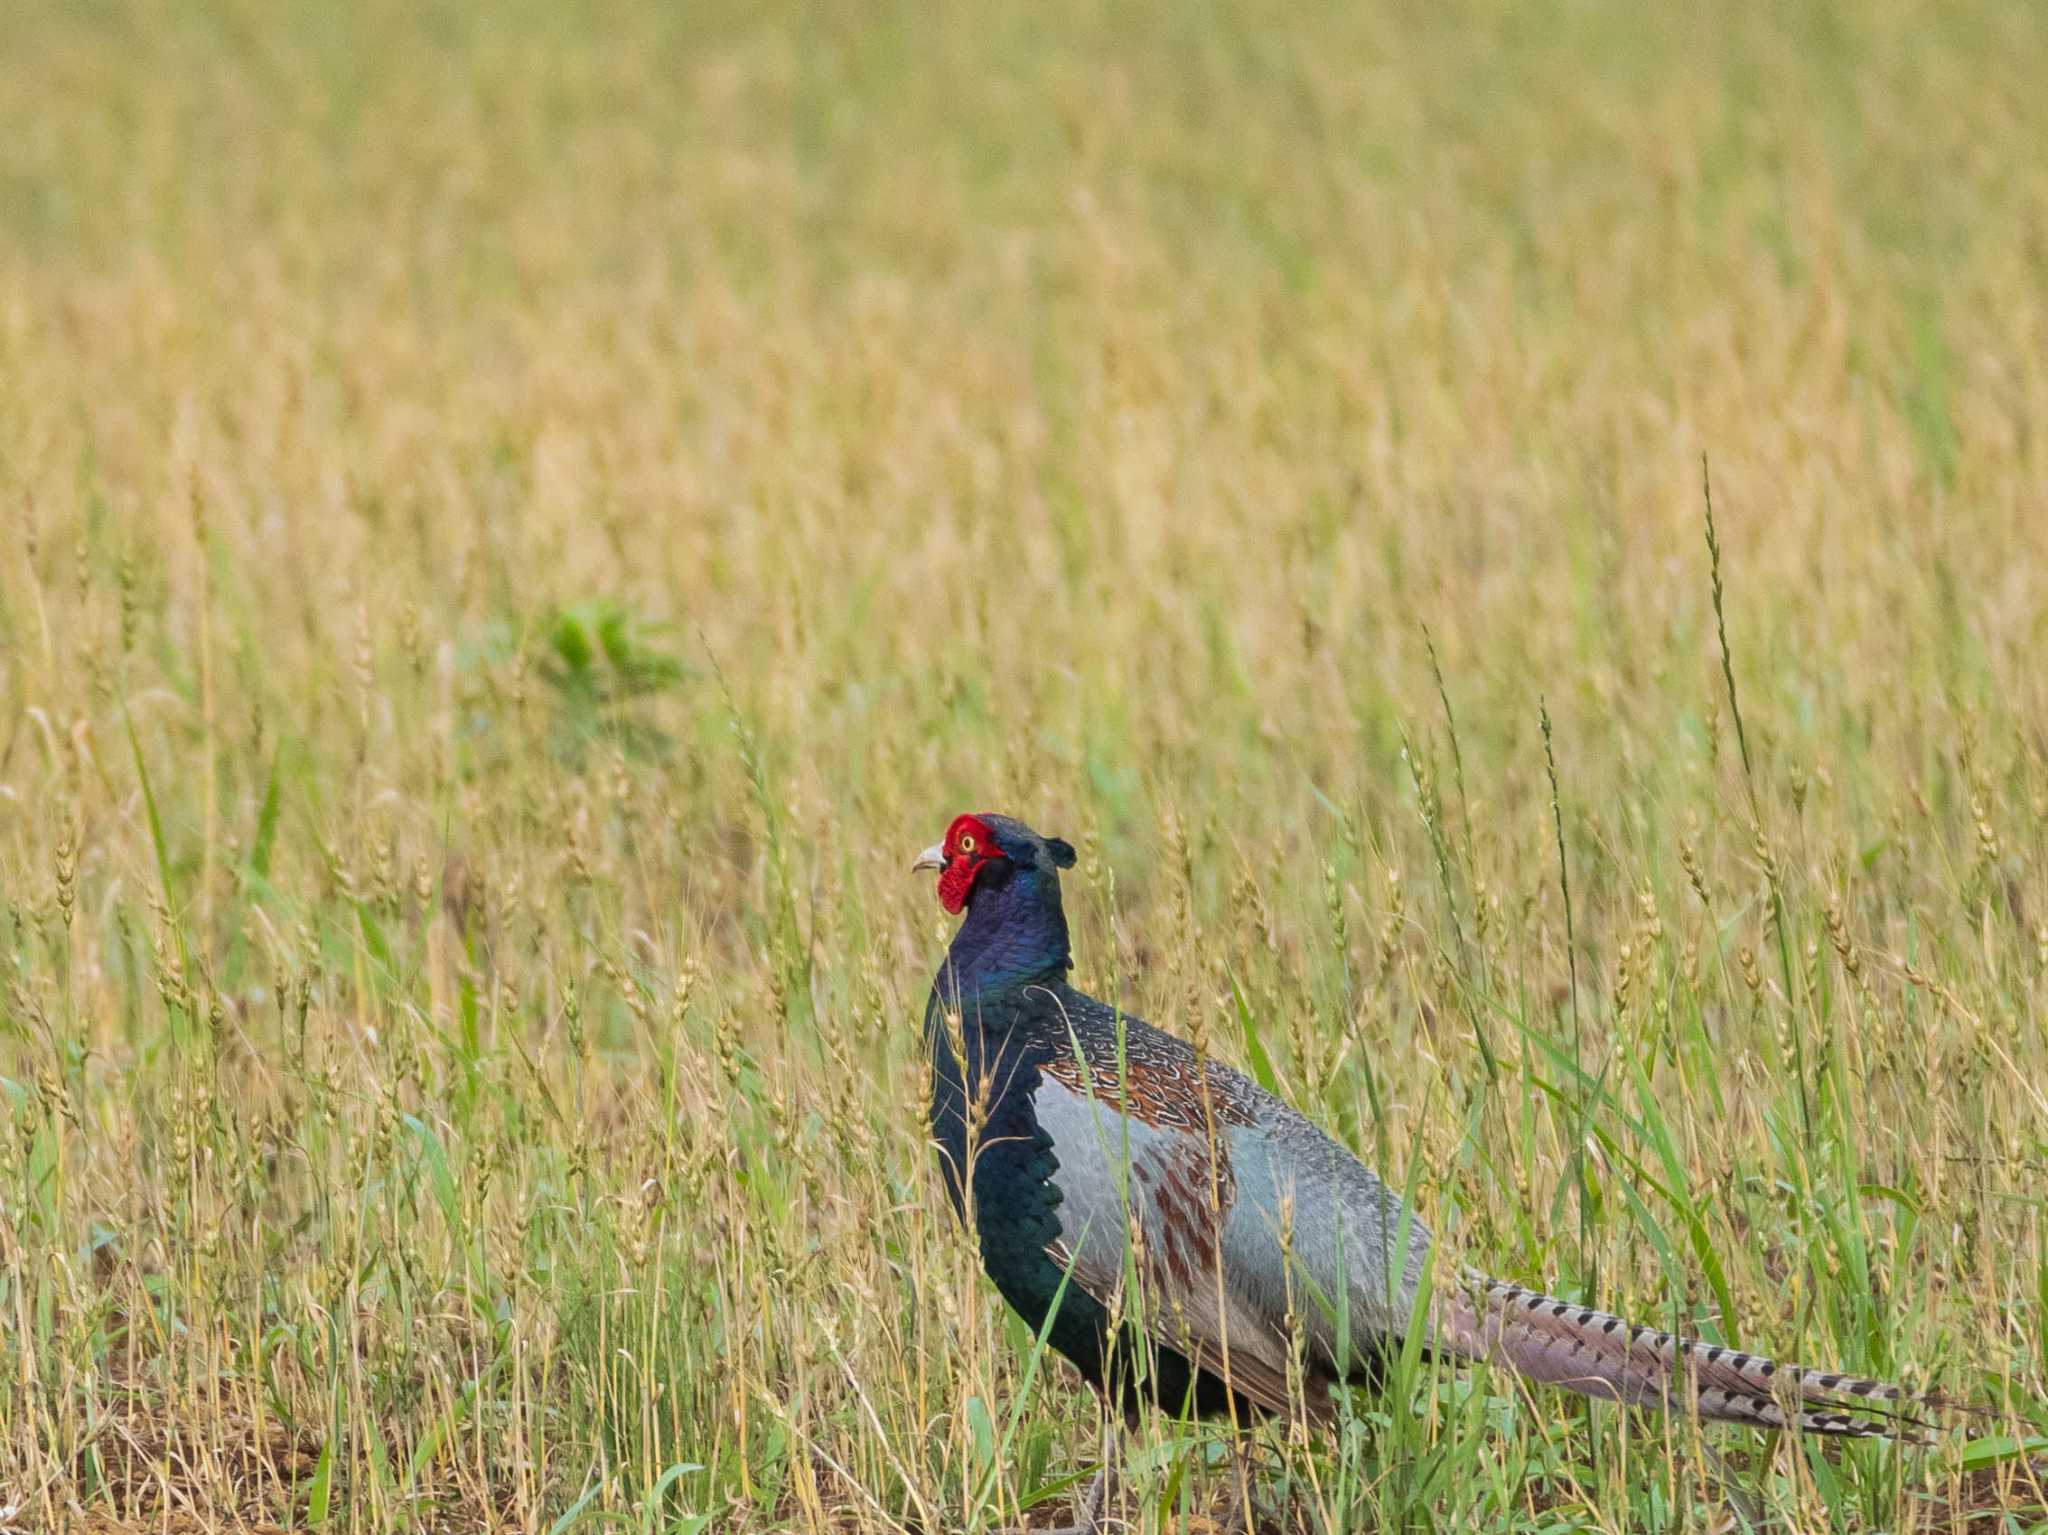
x,y
956,880
968,845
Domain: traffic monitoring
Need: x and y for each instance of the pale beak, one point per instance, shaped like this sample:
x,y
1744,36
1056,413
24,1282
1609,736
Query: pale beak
x,y
933,857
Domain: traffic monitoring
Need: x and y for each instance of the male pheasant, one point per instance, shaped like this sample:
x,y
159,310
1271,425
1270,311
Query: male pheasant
x,y
1083,1147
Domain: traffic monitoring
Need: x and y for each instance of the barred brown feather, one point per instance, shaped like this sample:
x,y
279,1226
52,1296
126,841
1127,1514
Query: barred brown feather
x,y
1598,1354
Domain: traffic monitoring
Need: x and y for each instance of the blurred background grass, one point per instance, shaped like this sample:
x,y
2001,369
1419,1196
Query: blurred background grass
x,y
522,519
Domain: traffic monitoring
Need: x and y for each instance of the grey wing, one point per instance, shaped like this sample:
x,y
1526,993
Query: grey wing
x,y
1119,1175
1314,1230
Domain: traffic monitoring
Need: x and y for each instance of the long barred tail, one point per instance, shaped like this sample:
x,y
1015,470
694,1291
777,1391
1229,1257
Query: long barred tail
x,y
1595,1354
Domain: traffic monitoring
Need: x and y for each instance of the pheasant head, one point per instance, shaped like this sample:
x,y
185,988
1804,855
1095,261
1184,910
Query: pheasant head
x,y
986,851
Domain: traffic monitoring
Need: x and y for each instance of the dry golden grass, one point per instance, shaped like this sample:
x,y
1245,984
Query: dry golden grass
x,y
519,523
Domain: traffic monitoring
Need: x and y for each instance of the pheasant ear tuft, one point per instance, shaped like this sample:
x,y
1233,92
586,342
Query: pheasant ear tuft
x,y
1061,852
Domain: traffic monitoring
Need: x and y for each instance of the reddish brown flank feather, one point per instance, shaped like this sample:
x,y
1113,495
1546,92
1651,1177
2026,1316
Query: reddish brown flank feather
x,y
1191,1201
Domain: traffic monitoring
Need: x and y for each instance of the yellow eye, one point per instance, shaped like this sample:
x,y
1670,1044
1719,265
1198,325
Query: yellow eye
x,y
967,842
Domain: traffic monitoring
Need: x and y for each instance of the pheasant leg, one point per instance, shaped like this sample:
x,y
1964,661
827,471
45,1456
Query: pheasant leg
x,y
1242,1520
1091,1510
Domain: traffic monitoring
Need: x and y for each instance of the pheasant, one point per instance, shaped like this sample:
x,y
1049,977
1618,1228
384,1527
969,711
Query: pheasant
x,y
1083,1148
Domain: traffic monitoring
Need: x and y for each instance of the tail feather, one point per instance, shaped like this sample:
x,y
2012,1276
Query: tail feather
x,y
1600,1355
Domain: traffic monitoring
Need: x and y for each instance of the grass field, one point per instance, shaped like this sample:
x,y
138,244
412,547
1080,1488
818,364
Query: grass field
x,y
521,520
